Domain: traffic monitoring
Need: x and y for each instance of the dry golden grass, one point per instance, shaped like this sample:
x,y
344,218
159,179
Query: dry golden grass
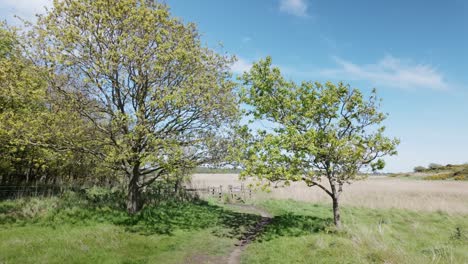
x,y
375,192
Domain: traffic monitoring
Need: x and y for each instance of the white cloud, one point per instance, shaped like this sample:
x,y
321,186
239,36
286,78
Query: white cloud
x,y
390,72
23,8
26,4
241,66
294,7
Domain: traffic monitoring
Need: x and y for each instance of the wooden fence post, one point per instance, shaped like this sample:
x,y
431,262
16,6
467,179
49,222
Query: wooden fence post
x,y
230,191
242,191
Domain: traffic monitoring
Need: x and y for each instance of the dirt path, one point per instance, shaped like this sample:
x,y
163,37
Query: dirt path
x,y
234,257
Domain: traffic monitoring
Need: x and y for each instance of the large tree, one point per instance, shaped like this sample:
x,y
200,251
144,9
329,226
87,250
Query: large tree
x,y
35,124
321,134
144,80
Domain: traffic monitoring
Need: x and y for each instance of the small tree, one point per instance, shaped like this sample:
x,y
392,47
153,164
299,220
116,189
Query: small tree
x,y
144,81
317,132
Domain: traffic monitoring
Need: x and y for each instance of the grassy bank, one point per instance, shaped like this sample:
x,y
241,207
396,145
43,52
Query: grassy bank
x,y
301,233
436,172
76,230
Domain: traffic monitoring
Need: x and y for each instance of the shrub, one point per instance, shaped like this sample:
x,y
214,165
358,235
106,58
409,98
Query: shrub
x,y
27,209
461,178
439,177
98,195
419,169
435,166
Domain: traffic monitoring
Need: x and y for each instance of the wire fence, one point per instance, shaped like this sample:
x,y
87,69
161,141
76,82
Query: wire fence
x,y
20,191
155,193
220,192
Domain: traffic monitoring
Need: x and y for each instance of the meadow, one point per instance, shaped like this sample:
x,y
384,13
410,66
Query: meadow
x,y
379,192
378,226
108,108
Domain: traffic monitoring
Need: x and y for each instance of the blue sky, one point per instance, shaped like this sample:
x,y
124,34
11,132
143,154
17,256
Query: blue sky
x,y
414,52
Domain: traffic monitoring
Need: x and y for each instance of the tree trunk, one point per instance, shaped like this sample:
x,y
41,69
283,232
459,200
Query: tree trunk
x,y
133,198
336,213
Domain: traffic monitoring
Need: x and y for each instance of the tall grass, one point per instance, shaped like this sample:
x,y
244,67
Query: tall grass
x,y
375,192
302,233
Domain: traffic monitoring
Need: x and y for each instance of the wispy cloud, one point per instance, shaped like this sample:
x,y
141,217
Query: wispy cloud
x,y
241,66
246,39
294,7
24,8
390,72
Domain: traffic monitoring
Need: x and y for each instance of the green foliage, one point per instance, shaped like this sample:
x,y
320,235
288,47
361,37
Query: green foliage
x,y
39,134
438,172
448,172
419,169
461,177
99,195
435,166
161,100
22,98
440,176
316,130
447,176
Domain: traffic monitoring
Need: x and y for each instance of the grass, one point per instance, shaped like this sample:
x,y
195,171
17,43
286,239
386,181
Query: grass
x,y
106,243
302,233
375,192
75,230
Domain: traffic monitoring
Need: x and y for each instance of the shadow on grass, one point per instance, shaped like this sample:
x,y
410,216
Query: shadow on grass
x,y
169,216
162,218
293,225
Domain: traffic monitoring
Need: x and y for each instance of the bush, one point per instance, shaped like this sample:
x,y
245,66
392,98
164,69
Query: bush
x,y
98,195
439,177
27,209
419,169
435,166
461,178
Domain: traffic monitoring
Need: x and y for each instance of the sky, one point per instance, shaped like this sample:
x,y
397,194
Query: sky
x,y
414,52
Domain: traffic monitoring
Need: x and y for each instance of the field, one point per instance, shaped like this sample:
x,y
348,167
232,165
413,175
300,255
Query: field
x,y
381,216
375,192
78,230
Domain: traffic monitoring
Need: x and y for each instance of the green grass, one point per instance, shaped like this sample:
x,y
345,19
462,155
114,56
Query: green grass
x,y
302,233
106,243
75,230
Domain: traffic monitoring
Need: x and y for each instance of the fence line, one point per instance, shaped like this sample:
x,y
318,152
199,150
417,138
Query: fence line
x,y
233,192
155,193
11,191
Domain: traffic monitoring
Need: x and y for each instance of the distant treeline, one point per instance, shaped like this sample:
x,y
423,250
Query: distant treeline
x,y
447,172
